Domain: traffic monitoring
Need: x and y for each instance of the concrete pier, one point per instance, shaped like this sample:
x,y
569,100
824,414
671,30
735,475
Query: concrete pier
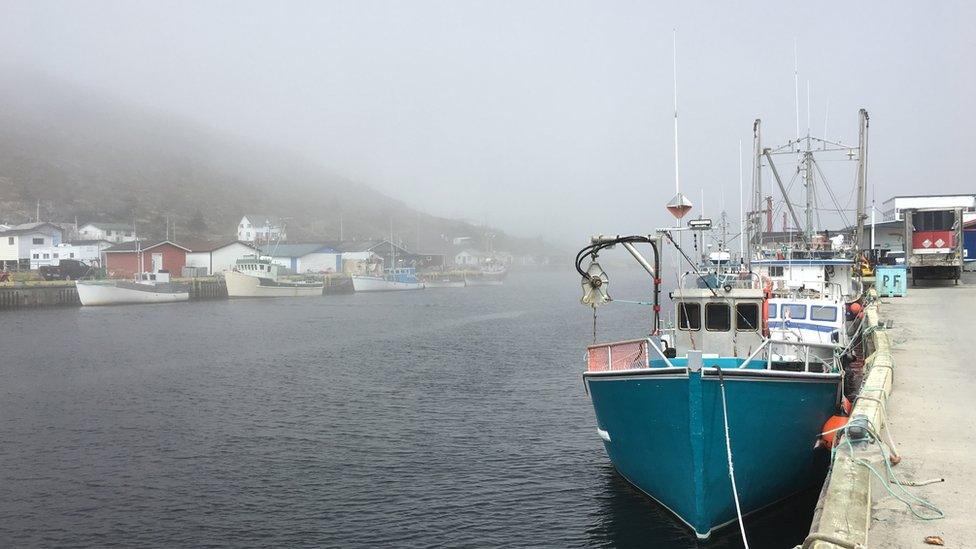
x,y
919,390
931,414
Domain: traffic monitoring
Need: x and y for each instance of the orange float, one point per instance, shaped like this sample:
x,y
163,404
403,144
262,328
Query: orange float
x,y
831,428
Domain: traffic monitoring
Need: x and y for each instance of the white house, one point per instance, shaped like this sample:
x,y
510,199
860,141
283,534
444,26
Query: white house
x,y
260,228
305,258
892,208
88,251
218,258
16,242
113,232
469,258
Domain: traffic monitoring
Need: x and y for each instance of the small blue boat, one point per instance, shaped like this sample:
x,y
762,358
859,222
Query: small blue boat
x,y
680,413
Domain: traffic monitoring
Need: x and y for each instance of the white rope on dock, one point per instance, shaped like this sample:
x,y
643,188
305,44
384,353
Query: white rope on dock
x,y
728,451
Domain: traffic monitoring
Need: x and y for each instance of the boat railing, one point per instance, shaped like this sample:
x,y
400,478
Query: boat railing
x,y
632,354
768,346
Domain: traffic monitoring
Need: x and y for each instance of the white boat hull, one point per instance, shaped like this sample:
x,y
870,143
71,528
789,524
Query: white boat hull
x,y
379,284
110,294
242,285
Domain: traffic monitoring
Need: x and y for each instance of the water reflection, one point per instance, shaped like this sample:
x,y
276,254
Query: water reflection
x,y
626,517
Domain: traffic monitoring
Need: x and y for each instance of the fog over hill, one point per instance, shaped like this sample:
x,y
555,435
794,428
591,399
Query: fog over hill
x,y
86,155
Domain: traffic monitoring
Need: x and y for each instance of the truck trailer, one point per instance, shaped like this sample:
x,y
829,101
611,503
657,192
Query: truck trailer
x,y
934,243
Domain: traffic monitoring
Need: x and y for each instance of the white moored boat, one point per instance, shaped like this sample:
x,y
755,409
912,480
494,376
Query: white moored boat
x,y
404,278
255,276
492,275
146,288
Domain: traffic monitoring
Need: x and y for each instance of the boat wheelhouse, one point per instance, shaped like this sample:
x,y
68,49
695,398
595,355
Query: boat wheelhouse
x,y
830,277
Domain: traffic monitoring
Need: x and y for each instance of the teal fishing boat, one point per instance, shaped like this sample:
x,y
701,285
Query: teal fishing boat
x,y
708,420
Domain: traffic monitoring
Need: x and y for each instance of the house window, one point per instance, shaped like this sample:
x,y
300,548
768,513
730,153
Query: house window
x,y
37,256
823,313
56,255
71,255
10,240
746,317
39,241
717,317
775,270
47,256
689,316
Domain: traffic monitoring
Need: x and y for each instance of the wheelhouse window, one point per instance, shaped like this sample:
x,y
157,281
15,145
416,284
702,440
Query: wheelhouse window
x,y
746,317
795,312
772,310
717,317
775,270
823,313
689,316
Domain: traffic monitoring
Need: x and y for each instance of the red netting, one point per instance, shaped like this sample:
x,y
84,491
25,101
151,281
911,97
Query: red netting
x,y
623,355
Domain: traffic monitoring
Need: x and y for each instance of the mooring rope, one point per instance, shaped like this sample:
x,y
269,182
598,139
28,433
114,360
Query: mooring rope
x,y
728,451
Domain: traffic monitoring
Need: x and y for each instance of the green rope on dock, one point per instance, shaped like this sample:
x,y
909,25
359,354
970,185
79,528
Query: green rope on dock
x,y
910,500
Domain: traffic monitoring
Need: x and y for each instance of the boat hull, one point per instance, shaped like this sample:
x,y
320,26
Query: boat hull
x,y
90,294
380,284
663,430
242,285
485,279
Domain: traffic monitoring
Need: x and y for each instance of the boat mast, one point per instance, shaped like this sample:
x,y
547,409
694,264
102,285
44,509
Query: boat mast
x,y
755,216
742,215
862,176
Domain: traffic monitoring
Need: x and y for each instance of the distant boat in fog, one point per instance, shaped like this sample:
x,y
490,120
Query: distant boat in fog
x,y
491,275
255,276
403,278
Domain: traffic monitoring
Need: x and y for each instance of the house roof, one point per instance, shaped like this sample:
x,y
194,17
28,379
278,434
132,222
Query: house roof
x,y
929,196
141,245
25,228
214,245
260,218
110,226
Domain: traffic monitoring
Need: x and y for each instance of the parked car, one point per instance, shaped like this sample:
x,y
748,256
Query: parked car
x,y
68,269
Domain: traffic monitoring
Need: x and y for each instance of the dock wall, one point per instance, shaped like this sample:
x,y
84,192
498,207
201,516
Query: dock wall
x,y
843,514
25,296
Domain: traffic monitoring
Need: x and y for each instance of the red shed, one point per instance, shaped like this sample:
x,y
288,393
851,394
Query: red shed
x,y
122,260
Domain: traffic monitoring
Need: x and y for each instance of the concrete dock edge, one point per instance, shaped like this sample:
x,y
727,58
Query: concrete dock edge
x,y
843,514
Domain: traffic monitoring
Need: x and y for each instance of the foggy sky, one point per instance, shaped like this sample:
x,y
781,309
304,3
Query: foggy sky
x,y
545,118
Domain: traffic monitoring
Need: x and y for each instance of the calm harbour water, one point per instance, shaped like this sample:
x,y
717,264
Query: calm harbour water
x,y
447,417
